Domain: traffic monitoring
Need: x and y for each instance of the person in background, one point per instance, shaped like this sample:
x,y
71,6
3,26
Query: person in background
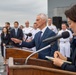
x,y
7,25
59,58
45,32
21,26
5,38
34,31
16,33
64,44
51,26
26,30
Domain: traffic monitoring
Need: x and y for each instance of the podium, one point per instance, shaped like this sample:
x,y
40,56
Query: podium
x,y
18,53
35,67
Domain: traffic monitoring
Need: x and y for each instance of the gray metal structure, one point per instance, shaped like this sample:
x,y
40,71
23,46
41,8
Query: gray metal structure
x,y
57,7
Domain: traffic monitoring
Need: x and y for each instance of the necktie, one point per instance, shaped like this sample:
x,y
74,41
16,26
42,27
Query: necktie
x,y
40,35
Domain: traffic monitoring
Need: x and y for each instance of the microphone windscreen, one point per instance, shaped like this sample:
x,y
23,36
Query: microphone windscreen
x,y
30,34
65,34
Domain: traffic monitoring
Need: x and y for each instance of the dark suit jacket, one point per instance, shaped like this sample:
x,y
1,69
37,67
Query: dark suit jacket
x,y
19,35
39,44
5,39
70,67
73,45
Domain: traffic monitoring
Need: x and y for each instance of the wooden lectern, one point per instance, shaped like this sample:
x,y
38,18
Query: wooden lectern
x,y
18,53
35,67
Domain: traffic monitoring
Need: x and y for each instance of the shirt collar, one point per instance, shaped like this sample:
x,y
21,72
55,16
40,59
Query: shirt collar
x,y
43,30
16,28
65,30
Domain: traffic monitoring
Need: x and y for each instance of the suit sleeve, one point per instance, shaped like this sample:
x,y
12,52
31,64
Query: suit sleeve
x,y
69,67
28,44
69,59
21,35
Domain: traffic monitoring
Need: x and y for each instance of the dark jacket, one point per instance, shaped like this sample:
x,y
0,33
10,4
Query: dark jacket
x,y
70,67
5,39
18,36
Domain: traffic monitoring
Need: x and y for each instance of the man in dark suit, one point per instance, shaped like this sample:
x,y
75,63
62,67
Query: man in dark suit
x,y
45,32
7,25
16,33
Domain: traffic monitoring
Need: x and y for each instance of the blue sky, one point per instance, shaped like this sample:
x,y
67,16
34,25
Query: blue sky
x,y
21,10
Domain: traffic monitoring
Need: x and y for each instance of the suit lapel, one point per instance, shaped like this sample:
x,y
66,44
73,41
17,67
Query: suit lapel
x,y
45,34
43,37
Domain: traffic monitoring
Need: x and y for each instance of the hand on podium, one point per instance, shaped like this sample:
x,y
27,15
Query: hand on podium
x,y
16,40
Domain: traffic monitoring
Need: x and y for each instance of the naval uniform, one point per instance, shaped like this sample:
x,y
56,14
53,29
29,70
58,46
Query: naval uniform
x,y
65,44
53,28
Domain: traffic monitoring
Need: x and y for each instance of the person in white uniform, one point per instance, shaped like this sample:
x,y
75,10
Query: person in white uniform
x,y
34,31
65,43
26,31
51,26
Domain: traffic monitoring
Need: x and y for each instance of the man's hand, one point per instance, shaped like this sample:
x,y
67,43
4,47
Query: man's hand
x,y
16,40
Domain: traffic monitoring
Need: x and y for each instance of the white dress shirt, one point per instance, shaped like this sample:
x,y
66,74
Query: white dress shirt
x,y
43,30
53,28
27,30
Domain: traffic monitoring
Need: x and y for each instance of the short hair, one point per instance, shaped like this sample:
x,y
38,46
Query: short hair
x,y
6,28
27,22
16,22
71,13
65,24
43,16
7,23
49,18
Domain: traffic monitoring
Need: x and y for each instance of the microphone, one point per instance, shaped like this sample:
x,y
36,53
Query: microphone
x,y
54,38
29,34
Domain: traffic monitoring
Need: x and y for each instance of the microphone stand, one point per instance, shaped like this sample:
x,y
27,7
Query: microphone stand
x,y
38,51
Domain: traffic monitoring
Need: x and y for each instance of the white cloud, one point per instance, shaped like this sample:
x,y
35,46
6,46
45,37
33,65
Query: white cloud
x,y
21,10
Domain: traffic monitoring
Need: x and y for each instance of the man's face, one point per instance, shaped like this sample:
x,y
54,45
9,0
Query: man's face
x,y
15,25
64,27
72,25
39,22
27,24
6,25
35,26
49,21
